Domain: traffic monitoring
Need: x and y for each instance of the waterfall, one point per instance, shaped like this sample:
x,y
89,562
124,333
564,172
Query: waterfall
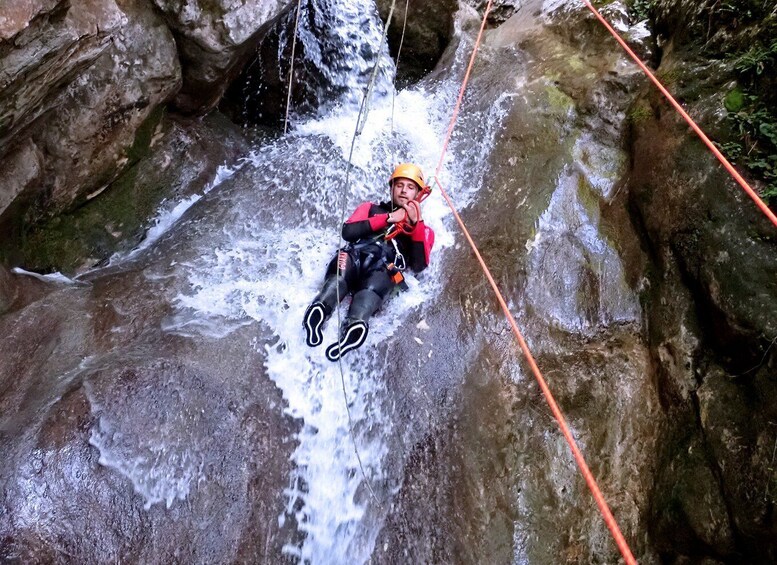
x,y
341,39
269,271
205,413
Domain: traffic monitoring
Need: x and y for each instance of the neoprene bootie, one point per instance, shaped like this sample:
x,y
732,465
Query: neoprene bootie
x,y
353,336
354,332
314,319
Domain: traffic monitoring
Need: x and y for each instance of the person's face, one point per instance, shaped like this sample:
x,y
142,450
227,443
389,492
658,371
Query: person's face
x,y
404,190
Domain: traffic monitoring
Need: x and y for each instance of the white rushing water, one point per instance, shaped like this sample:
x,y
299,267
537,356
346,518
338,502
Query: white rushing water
x,y
271,275
268,272
341,38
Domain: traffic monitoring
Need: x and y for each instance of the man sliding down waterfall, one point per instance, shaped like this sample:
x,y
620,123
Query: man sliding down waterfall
x,y
383,239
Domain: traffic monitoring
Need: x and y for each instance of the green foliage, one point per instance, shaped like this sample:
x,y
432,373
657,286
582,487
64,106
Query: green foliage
x,y
739,9
641,9
756,147
757,59
751,106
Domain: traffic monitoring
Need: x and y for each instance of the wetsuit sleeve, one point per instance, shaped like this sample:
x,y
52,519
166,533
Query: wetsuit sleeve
x,y
420,246
363,223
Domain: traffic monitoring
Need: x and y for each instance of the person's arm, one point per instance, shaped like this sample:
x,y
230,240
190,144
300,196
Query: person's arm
x,y
420,243
368,220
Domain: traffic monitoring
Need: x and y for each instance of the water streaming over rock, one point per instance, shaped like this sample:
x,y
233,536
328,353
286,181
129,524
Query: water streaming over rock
x,y
269,267
343,40
186,331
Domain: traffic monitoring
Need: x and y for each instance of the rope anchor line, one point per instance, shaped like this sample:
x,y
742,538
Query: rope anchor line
x,y
604,509
579,459
361,119
694,126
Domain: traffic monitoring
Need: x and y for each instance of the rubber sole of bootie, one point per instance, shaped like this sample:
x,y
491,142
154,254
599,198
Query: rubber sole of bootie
x,y
312,322
353,337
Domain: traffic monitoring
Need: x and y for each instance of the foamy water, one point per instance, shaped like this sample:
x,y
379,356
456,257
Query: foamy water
x,y
263,272
271,275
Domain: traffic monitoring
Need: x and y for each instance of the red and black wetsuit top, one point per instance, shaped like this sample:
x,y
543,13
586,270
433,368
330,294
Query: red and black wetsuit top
x,y
370,220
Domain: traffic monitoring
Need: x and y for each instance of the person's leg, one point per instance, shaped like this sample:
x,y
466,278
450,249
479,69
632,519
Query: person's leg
x,y
365,303
326,300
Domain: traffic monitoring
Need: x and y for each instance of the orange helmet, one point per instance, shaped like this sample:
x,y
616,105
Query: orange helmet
x,y
408,171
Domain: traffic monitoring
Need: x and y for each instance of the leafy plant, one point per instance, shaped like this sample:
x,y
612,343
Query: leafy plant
x,y
751,105
640,9
756,147
738,9
757,59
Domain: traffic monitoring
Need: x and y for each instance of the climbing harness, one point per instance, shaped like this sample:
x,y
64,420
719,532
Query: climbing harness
x,y
706,140
396,267
375,252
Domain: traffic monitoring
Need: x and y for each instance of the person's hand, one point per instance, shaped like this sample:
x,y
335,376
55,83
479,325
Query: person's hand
x,y
397,216
413,211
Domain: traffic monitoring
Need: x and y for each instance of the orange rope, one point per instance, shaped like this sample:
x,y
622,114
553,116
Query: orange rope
x,y
729,167
579,459
457,107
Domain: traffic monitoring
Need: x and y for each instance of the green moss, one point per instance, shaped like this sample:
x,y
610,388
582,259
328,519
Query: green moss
x,y
734,100
587,197
639,113
145,133
668,76
576,63
558,100
95,230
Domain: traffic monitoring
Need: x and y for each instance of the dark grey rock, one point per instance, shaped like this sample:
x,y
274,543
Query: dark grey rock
x,y
213,39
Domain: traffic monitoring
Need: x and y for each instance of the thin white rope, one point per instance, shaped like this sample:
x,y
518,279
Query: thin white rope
x,y
360,121
291,68
394,88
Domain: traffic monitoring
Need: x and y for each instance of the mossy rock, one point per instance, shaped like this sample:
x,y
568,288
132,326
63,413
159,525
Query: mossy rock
x,y
174,159
734,100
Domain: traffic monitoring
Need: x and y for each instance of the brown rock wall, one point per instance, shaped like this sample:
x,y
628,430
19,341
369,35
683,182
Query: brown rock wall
x,y
77,83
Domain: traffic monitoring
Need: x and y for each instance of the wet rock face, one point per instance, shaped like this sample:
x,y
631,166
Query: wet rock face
x,y
78,79
553,224
212,39
123,442
428,28
711,304
17,291
7,290
259,94
179,159
81,89
501,10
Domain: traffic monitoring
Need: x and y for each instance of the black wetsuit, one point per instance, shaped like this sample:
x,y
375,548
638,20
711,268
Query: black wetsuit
x,y
364,262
